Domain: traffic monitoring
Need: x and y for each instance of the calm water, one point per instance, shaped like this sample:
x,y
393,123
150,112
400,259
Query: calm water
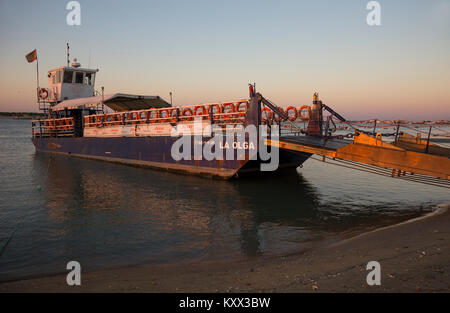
x,y
106,215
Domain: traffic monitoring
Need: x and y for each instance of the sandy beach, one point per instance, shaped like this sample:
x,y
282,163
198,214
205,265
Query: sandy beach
x,y
414,257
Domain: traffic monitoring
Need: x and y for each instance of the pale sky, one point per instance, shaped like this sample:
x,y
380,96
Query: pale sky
x,y
206,51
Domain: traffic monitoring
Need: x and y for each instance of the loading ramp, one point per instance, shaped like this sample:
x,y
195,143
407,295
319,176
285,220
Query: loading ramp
x,y
375,154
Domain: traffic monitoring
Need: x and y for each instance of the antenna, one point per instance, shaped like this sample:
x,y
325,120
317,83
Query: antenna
x,y
170,93
68,55
89,64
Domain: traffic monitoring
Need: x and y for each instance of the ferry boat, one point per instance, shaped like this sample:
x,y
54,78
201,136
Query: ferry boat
x,y
139,130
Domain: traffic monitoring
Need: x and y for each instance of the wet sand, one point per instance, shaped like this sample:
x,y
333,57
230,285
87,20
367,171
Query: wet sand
x,y
414,257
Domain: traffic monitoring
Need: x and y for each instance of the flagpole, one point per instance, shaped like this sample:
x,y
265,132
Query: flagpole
x,y
37,79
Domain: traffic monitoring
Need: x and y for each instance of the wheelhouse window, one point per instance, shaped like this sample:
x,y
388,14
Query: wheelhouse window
x,y
89,79
58,76
78,78
68,77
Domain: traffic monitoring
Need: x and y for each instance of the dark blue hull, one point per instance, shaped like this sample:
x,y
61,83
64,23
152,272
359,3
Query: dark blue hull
x,y
155,152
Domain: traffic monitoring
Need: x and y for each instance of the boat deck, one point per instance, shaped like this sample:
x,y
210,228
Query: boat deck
x,y
413,159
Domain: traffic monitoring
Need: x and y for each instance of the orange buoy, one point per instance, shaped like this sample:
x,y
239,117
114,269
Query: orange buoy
x,y
164,117
43,93
173,115
279,118
199,110
152,116
228,109
100,119
292,113
212,106
135,118
242,108
268,115
301,115
142,117
186,114
108,120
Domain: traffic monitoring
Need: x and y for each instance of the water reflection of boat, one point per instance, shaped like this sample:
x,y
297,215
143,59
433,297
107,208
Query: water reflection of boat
x,y
115,206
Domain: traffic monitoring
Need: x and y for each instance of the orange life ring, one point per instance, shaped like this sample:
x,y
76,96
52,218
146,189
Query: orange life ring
x,y
202,112
152,115
162,118
128,118
100,120
123,118
141,117
43,93
188,116
117,119
294,116
232,110
269,115
135,118
300,115
108,120
51,124
238,108
173,115
214,106
279,118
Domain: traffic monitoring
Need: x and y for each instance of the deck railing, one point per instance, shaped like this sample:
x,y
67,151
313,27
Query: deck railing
x,y
222,113
62,127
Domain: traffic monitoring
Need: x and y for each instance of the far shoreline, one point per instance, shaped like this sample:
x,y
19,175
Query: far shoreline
x,y
21,115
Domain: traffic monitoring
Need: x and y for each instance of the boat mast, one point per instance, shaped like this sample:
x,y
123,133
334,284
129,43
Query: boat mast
x,y
68,56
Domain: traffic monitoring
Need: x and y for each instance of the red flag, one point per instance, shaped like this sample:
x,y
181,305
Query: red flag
x,y
32,56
